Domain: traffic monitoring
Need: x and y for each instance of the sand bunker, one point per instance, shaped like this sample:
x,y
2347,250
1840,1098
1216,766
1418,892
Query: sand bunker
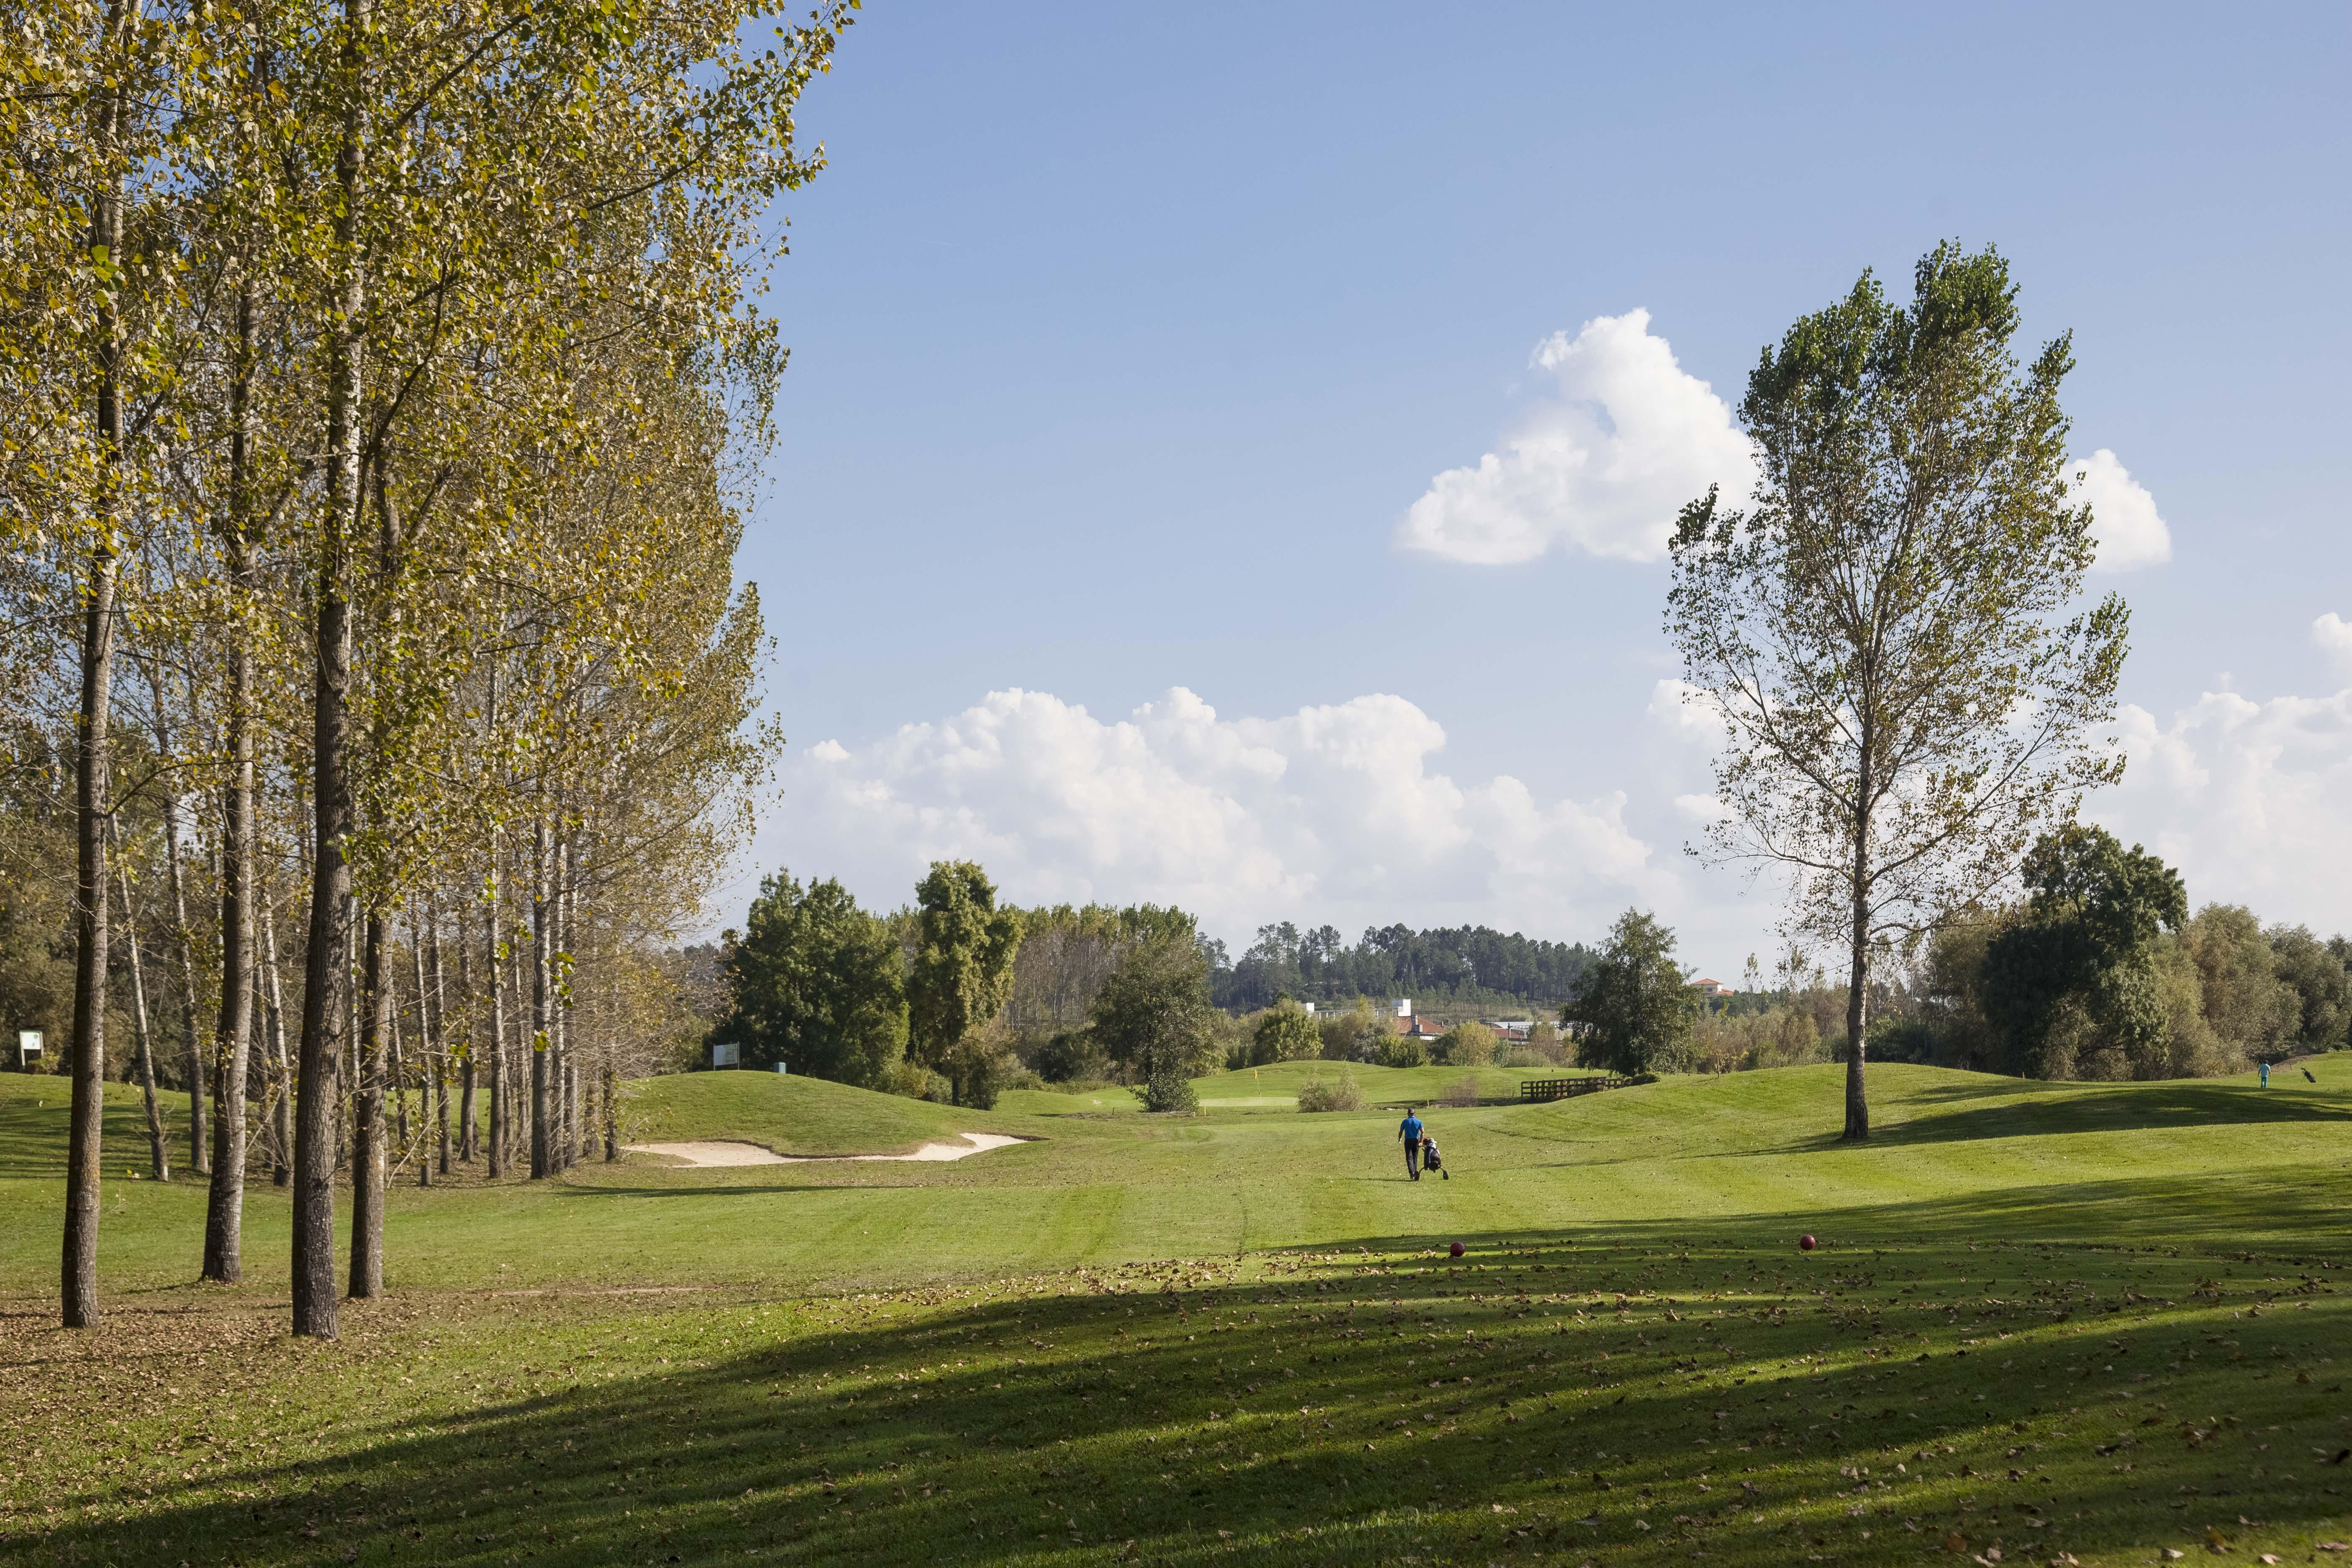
x,y
719,1153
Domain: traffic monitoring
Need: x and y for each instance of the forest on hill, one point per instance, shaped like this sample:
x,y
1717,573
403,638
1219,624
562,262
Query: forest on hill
x,y
1462,966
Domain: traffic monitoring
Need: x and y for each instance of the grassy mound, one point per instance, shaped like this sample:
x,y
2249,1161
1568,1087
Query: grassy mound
x,y
796,1115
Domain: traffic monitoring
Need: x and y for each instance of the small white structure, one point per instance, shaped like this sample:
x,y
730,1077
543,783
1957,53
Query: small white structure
x,y
1404,1006
724,1054
29,1046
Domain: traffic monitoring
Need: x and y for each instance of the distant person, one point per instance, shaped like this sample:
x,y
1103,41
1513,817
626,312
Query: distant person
x,y
1431,1160
2266,1075
1409,1130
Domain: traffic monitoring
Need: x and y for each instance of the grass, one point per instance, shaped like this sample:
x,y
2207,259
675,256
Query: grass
x,y
2073,1322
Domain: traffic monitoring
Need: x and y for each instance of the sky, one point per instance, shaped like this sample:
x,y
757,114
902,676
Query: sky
x,y
1226,450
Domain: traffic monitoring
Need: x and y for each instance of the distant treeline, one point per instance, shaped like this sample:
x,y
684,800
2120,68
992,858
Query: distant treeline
x,y
1474,966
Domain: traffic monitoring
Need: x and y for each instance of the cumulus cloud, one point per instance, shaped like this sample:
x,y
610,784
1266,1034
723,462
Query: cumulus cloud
x,y
1632,438
2333,634
1334,810
2123,514
2252,800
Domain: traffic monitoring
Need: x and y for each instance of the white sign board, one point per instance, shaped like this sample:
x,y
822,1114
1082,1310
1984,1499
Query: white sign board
x,y
28,1044
725,1055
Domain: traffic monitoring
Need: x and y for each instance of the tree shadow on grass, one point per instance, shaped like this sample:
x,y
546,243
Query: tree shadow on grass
x,y
1359,1403
2073,1109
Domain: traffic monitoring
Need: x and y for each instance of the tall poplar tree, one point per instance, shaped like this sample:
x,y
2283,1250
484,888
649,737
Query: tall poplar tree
x,y
1890,630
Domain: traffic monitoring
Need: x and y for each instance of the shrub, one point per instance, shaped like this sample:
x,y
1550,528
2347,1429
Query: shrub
x,y
1468,1044
1169,1091
1465,1090
1401,1051
919,1083
1071,1055
1285,1032
1316,1094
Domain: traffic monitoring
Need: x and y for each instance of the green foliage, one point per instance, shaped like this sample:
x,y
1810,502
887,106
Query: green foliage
x,y
1317,1093
1071,1056
1153,1018
817,983
2322,986
1066,953
1474,965
1631,1010
1285,1032
960,975
1354,1036
1401,1051
2251,1009
2074,978
1169,1091
1468,1044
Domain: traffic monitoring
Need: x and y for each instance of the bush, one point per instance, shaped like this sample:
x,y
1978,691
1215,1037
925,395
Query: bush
x,y
1169,1091
919,1083
1345,1094
1465,1090
1355,1036
1469,1043
1071,1055
1401,1051
1285,1032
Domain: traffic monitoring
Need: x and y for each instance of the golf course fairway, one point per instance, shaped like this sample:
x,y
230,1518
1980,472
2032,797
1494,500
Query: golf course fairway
x,y
2048,1323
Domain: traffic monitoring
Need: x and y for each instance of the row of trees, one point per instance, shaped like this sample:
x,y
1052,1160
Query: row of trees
x,y
377,373
954,997
1469,965
2098,972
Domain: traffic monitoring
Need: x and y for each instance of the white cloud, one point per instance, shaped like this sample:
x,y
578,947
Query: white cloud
x,y
1332,813
2333,634
2123,514
1605,468
2252,802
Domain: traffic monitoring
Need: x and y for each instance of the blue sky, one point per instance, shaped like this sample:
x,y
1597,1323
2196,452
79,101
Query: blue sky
x,y
1125,340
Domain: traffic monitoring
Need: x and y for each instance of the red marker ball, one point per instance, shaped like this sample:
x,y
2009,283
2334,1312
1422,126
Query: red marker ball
x,y
1804,1244
1457,1249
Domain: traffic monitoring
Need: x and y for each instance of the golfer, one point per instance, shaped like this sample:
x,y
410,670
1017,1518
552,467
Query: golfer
x,y
1409,1130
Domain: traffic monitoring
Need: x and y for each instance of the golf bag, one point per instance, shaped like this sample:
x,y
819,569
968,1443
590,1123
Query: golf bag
x,y
1432,1161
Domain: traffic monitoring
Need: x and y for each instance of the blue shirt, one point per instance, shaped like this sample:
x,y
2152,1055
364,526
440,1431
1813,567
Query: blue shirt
x,y
1410,1127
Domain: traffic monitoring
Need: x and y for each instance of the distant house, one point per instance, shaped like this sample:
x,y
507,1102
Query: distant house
x,y
1711,989
1413,1026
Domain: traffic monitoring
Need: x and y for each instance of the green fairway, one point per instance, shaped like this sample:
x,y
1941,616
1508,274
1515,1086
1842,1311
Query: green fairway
x,y
2086,1320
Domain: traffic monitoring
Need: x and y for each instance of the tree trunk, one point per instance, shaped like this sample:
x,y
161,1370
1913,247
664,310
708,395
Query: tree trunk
x,y
158,1145
612,1112
1857,1001
200,1153
366,1280
224,1204
327,977
466,1111
281,1170
440,1028
397,1076
567,1122
425,1074
86,1124
541,918
497,1032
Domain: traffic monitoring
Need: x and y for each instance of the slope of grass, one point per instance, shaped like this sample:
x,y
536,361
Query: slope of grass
x,y
1238,1334
794,1115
